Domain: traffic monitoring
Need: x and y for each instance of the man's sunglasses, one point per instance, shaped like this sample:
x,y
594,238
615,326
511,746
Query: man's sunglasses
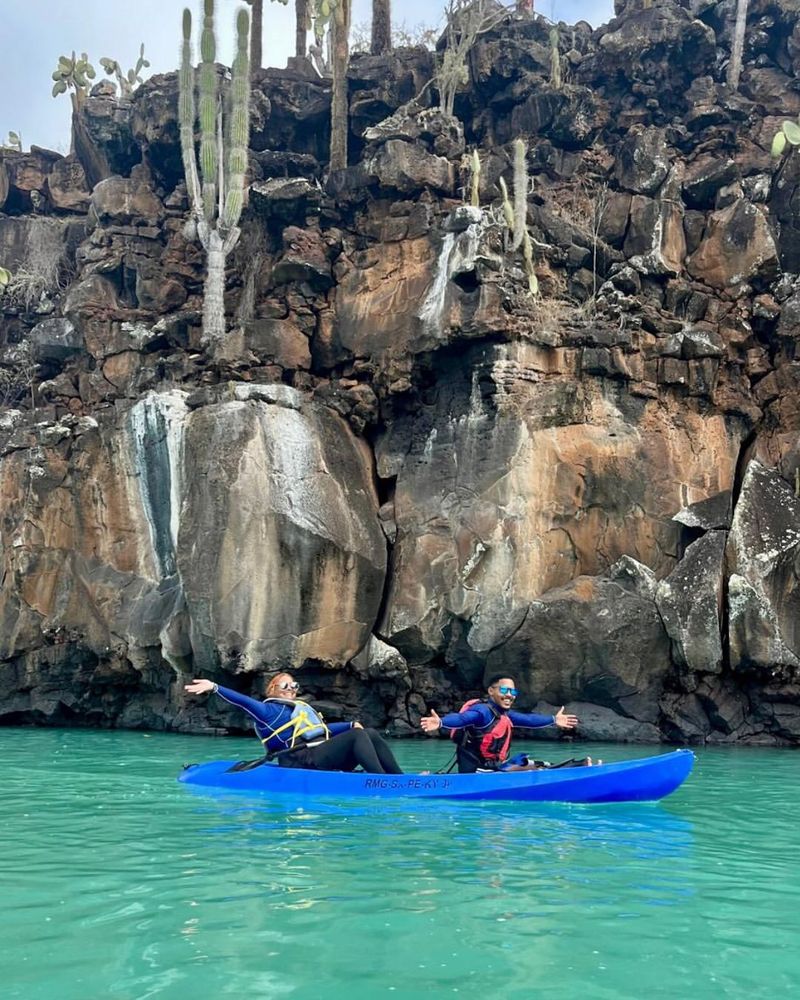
x,y
289,686
507,690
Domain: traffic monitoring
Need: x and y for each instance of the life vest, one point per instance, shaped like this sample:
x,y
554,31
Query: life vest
x,y
305,723
490,743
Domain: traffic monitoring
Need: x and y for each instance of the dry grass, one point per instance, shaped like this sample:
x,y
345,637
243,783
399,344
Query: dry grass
x,y
18,375
42,273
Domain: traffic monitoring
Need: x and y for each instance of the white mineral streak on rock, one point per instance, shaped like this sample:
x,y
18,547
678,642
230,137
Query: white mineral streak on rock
x,y
465,250
456,256
310,494
156,427
433,306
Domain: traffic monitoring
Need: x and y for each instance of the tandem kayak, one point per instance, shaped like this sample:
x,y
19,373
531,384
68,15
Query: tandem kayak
x,y
640,780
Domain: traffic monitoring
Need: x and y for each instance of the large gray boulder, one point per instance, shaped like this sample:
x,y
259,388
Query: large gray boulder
x,y
690,603
764,585
279,548
597,639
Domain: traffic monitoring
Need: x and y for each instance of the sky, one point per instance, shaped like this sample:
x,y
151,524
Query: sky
x,y
36,32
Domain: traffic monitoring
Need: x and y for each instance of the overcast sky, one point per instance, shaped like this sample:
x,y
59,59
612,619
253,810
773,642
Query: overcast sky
x,y
36,32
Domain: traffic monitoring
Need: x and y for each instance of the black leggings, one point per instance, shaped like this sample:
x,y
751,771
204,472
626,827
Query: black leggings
x,y
346,752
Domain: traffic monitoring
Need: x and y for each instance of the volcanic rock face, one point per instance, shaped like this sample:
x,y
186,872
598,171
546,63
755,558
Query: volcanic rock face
x,y
148,533
513,483
401,473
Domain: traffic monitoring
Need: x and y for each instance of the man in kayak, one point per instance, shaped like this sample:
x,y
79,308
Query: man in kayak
x,y
483,729
297,736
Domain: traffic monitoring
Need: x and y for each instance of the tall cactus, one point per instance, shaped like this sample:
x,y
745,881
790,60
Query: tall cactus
x,y
216,191
516,215
555,60
520,193
341,11
381,27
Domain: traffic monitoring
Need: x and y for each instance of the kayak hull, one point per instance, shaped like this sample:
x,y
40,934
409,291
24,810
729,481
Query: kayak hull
x,y
642,780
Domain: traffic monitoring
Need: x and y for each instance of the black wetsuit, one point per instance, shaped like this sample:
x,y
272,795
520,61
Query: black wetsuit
x,y
345,749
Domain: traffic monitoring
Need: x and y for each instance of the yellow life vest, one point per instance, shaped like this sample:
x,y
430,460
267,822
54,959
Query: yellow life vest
x,y
305,722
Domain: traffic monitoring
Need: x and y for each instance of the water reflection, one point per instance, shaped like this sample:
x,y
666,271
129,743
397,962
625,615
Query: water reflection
x,y
478,851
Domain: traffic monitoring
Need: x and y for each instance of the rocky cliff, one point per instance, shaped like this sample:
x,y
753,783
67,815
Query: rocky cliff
x,y
401,471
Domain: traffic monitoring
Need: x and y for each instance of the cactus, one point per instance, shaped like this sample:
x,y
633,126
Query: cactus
x,y
13,142
381,27
475,179
129,81
508,210
555,60
520,192
216,190
527,256
340,53
789,135
516,216
73,73
5,279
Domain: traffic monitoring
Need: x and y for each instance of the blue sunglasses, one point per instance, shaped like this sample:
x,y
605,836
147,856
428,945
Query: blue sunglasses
x,y
508,690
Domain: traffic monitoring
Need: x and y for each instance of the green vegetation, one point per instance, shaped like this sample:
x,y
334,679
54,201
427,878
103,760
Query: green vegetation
x,y
127,82
516,216
13,142
466,21
475,179
789,135
555,60
216,191
75,74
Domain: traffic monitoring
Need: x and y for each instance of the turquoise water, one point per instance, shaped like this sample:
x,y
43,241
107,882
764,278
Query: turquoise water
x,y
120,883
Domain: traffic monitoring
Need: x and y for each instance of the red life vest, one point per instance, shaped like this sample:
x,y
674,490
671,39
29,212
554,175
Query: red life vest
x,y
490,743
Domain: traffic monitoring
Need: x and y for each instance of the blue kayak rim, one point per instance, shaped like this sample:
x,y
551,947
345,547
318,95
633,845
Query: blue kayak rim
x,y
640,780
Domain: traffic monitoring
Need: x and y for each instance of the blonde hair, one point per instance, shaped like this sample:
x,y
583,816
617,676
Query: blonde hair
x,y
272,682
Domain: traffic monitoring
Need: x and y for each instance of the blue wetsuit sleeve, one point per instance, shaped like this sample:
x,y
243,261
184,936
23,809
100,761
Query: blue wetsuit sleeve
x,y
334,728
478,715
258,710
530,720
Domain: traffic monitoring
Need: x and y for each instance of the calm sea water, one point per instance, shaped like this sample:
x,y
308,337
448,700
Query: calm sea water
x,y
119,883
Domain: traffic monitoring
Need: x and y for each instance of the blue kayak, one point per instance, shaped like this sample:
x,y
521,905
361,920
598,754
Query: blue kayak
x,y
627,781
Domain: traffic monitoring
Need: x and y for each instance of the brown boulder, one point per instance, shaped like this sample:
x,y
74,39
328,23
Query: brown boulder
x,y
67,186
407,167
305,257
738,246
124,200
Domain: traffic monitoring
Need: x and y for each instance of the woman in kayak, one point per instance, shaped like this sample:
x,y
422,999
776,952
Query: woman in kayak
x,y
296,735
483,729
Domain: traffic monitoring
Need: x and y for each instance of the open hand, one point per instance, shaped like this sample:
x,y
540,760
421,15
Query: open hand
x,y
431,723
199,686
564,721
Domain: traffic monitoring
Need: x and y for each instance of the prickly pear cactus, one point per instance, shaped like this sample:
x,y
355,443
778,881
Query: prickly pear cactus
x,y
73,73
127,82
789,135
